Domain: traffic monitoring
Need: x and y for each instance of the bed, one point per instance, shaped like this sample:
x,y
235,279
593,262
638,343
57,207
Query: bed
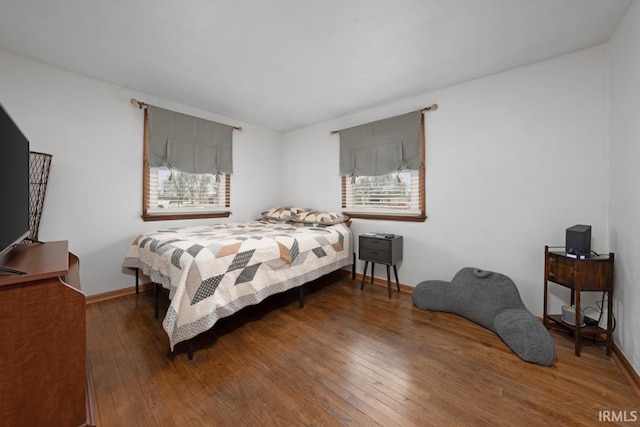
x,y
212,271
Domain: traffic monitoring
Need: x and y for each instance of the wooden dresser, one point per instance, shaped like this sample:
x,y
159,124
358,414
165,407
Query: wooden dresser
x,y
43,358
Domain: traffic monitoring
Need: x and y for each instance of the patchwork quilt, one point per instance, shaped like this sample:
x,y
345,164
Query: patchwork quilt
x,y
214,271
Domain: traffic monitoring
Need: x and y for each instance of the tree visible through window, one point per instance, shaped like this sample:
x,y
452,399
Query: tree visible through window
x,y
180,192
395,194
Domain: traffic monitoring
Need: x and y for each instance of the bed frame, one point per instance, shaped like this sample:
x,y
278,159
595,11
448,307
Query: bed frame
x,y
156,293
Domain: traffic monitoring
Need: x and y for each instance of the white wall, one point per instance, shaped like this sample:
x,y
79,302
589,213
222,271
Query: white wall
x,y
512,160
94,194
624,191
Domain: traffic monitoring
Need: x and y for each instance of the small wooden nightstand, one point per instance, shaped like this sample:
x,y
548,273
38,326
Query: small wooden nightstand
x,y
376,248
588,274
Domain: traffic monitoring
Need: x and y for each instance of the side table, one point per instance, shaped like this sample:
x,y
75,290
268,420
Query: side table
x,y
380,248
580,274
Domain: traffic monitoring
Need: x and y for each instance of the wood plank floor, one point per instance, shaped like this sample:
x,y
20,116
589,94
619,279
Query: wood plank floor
x,y
350,357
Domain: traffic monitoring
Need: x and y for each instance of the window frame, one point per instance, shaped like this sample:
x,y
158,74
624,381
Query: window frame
x,y
421,217
146,170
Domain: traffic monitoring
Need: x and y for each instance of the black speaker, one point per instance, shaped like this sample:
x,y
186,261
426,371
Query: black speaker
x,y
578,240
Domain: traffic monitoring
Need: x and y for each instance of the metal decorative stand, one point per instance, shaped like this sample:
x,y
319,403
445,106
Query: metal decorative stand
x,y
39,166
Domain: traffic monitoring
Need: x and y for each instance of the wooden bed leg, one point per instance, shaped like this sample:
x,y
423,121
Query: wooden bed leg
x,y
137,280
190,348
155,301
301,289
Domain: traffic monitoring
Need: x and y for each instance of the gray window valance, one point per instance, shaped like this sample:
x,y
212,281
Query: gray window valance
x,y
381,147
188,144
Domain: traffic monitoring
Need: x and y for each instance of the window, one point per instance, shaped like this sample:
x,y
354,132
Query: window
x,y
187,166
392,194
397,196
180,193
382,168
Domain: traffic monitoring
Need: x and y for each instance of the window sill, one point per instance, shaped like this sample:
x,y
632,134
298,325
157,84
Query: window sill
x,y
387,217
174,216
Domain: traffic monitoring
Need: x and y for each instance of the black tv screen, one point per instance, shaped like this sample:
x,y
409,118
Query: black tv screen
x,y
14,183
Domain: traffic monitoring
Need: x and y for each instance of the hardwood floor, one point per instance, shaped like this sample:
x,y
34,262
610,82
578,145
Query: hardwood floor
x,y
350,357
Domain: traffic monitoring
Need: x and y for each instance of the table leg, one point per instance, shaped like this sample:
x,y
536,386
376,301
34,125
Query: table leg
x,y
609,321
353,267
395,271
577,326
389,280
364,274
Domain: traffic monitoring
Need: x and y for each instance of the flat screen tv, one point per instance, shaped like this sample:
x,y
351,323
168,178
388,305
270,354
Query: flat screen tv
x,y
14,184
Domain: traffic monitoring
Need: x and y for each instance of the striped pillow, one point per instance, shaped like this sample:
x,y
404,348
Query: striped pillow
x,y
283,213
319,217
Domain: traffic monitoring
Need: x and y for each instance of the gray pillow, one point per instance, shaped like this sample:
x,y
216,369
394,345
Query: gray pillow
x,y
493,301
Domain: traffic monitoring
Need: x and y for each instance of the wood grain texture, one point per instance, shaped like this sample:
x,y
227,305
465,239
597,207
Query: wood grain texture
x,y
350,357
39,261
43,373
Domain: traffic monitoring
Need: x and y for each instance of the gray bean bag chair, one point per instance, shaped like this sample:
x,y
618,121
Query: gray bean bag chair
x,y
491,300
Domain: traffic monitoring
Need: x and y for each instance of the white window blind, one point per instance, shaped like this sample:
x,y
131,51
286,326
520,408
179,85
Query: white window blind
x,y
371,155
174,192
396,194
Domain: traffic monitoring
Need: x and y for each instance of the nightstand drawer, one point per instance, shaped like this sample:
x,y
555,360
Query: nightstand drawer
x,y
375,243
382,256
589,274
380,250
561,269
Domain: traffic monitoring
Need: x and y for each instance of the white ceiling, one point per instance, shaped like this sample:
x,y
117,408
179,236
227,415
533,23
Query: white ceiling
x,y
285,64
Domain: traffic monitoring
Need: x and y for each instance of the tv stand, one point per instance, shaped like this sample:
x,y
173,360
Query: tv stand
x,y
29,239
43,337
11,270
4,268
